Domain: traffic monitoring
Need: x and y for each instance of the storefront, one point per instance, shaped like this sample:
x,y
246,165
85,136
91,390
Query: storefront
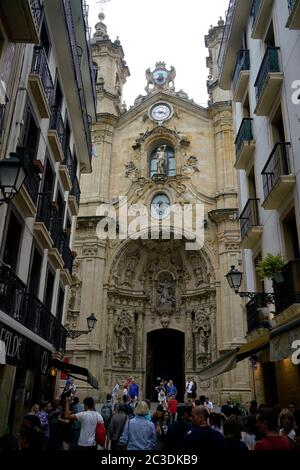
x,y
24,375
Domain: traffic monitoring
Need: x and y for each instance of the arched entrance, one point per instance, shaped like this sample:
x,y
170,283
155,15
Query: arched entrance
x,y
165,360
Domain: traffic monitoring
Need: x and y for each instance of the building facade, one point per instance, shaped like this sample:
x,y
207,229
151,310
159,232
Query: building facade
x,y
47,106
164,311
258,62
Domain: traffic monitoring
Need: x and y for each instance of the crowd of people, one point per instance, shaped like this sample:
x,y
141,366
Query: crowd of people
x,y
133,424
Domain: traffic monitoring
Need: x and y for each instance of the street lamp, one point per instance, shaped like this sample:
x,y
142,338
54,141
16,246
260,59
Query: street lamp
x,y
91,322
12,176
234,279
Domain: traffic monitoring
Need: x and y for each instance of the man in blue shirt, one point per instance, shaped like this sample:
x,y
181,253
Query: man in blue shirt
x,y
134,389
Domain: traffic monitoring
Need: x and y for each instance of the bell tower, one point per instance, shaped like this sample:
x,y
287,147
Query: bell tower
x,y
112,71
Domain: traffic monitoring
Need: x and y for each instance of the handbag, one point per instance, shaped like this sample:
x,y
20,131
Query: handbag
x,y
100,434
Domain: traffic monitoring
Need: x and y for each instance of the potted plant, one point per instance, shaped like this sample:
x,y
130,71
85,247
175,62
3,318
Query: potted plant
x,y
271,267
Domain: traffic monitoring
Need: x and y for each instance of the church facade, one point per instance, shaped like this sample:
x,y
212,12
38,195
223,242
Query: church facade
x,y
164,308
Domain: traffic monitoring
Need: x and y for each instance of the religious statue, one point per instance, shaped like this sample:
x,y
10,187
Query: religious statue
x,y
161,157
166,294
122,342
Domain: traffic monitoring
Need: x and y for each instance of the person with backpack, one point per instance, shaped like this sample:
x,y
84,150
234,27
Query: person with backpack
x,y
107,413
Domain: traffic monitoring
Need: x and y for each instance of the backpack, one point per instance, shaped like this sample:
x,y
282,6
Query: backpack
x,y
106,413
100,434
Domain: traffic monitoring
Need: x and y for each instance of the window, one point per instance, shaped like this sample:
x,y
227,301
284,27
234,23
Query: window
x,y
35,272
49,290
162,161
30,132
60,304
290,236
48,179
12,242
95,71
44,39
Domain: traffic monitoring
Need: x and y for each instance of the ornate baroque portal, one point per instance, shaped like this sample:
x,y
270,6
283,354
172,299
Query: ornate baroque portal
x,y
163,311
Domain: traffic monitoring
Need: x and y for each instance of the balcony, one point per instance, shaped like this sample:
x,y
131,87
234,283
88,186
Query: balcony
x,y
244,145
237,18
261,12
43,221
251,230
40,82
22,19
287,293
278,180
257,313
2,119
67,254
294,11
56,134
26,200
74,197
268,82
28,310
241,74
67,169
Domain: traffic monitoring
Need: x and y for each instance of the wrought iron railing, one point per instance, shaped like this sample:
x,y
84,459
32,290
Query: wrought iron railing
x,y
69,162
256,317
255,9
44,211
36,10
76,54
277,165
40,67
32,180
88,30
2,118
226,33
242,63
66,254
57,124
287,292
244,134
75,191
249,217
28,310
291,5
269,64
56,232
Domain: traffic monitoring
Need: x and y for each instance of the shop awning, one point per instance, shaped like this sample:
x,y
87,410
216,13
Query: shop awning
x,y
229,360
225,363
282,340
72,369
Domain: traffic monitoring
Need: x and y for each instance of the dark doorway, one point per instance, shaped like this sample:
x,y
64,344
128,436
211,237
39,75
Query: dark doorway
x,y
270,383
165,361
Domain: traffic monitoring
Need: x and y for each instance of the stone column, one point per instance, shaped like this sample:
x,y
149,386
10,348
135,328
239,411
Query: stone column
x,y
139,335
189,343
109,342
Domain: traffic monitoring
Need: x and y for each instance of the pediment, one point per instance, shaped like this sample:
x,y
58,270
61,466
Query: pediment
x,y
180,105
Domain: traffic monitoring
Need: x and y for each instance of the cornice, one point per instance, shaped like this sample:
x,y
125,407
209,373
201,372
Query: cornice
x,y
223,215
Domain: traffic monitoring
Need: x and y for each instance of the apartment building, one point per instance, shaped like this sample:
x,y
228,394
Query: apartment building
x,y
47,104
259,63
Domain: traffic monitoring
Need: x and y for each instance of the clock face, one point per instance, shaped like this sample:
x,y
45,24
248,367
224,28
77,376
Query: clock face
x,y
160,206
161,112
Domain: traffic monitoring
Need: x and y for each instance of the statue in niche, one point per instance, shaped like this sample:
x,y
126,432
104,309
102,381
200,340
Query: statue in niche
x,y
122,342
161,157
166,294
202,330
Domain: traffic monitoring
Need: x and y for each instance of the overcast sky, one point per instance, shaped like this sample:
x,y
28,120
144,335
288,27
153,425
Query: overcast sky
x,y
162,30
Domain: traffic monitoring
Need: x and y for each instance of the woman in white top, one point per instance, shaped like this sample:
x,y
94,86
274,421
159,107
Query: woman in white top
x,y
88,420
